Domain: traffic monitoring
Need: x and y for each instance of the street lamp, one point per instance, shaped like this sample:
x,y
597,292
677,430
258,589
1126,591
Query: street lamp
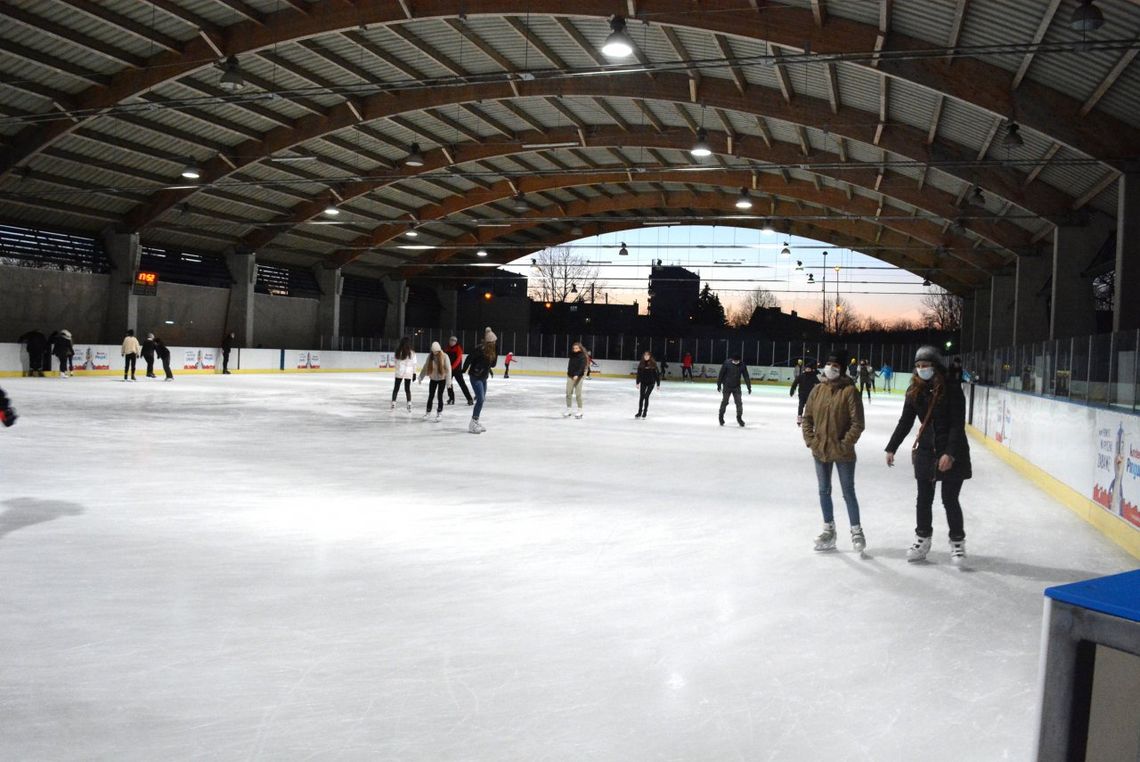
x,y
823,291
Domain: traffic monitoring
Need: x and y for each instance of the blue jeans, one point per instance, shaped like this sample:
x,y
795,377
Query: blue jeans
x,y
479,389
846,483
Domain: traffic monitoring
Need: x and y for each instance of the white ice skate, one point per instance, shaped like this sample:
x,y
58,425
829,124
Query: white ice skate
x,y
826,539
918,551
438,417
858,541
427,415
409,407
958,553
568,413
474,427
578,415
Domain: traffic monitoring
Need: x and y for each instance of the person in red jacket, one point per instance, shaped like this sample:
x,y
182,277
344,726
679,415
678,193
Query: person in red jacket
x,y
510,358
687,367
455,352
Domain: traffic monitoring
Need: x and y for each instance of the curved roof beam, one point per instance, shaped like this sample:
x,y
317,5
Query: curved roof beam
x,y
909,142
889,246
983,85
829,198
929,199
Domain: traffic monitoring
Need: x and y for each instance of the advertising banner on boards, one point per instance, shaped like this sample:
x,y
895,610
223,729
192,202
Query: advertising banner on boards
x,y
1116,484
308,360
90,358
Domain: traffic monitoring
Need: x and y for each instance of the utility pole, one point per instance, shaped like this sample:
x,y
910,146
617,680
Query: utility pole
x,y
823,291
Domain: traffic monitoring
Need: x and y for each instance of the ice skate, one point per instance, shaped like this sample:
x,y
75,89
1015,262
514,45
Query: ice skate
x,y
481,428
858,541
568,413
741,422
438,417
578,415
427,415
474,427
958,553
826,539
918,551
409,407
393,406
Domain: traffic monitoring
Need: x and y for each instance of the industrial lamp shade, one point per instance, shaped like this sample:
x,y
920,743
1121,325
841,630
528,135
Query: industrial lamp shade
x,y
618,44
1086,17
231,80
701,148
415,156
743,201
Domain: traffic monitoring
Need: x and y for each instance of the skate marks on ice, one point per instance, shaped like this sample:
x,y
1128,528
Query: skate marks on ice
x,y
22,512
1050,575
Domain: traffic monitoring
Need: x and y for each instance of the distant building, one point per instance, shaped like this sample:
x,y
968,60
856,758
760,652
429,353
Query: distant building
x,y
584,317
673,294
775,324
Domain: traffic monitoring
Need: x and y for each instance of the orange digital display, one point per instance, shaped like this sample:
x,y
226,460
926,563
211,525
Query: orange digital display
x,y
146,279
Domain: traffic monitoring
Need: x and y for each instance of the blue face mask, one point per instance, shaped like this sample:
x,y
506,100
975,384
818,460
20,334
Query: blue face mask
x,y
925,373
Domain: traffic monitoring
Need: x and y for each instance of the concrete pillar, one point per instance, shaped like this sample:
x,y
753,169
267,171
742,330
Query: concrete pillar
x,y
397,291
1031,301
1001,311
1074,247
1125,303
966,332
982,320
449,312
239,316
331,282
122,305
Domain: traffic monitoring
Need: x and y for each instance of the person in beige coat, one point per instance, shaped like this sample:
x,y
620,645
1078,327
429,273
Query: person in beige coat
x,y
131,349
437,369
832,424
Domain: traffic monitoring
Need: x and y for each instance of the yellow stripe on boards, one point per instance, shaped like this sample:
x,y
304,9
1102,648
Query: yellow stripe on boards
x,y
1112,527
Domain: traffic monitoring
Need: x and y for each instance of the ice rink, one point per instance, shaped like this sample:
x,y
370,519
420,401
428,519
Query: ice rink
x,y
278,567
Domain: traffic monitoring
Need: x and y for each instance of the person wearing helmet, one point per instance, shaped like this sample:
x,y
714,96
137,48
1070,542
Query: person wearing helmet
x,y
941,452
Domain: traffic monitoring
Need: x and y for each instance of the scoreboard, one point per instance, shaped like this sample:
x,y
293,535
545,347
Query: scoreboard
x,y
146,284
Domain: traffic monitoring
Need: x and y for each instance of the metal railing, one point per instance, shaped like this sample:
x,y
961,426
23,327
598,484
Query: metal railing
x,y
1097,370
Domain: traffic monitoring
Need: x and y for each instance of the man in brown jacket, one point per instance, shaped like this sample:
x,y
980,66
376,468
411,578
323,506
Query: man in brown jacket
x,y
832,424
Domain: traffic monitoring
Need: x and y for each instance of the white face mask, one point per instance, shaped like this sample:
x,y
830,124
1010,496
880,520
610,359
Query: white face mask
x,y
925,373
831,372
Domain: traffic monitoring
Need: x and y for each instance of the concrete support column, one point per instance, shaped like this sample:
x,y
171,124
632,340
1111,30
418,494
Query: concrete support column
x,y
449,312
1125,304
1031,303
331,282
239,317
122,305
982,320
1073,250
966,332
1002,296
397,291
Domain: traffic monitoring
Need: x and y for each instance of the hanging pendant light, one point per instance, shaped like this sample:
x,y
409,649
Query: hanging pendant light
x,y
1086,17
743,201
519,203
415,157
231,80
331,209
786,251
191,171
623,251
701,148
618,43
1013,137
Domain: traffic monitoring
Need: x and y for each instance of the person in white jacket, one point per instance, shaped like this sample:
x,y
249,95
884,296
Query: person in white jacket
x,y
437,370
405,371
131,350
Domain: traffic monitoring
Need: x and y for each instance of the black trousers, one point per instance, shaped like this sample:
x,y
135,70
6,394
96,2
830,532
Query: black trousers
x,y
166,366
458,378
149,365
407,388
735,394
800,409
924,508
643,400
865,387
225,361
435,389
130,361
686,373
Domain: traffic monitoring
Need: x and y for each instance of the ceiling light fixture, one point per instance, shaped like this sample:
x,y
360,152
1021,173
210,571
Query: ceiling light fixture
x,y
191,171
623,251
1086,17
481,253
701,148
331,210
519,203
1013,137
787,252
563,144
618,43
412,234
231,80
415,157
767,227
743,201
292,159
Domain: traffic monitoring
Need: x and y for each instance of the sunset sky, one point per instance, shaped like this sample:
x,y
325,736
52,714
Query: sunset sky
x,y
734,261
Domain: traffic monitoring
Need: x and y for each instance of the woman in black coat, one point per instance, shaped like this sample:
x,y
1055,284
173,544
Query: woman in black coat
x,y
648,379
941,452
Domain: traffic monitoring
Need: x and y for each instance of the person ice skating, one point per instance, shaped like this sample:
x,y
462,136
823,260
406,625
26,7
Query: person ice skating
x,y
577,364
455,352
437,369
478,366
687,367
832,424
941,452
728,383
405,371
63,349
227,346
130,353
163,353
805,382
590,364
648,379
36,345
887,372
510,358
955,372
148,349
866,379
664,365
7,412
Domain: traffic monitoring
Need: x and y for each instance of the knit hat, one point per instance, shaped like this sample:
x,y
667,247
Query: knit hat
x,y
435,347
65,333
930,354
453,338
839,356
488,335
150,336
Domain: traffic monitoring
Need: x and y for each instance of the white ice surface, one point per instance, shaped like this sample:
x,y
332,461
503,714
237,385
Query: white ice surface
x,y
277,567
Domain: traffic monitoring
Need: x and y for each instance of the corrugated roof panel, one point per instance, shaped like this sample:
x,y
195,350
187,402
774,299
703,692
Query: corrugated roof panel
x,y
1000,23
858,87
148,16
925,19
53,47
909,104
963,125
19,71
